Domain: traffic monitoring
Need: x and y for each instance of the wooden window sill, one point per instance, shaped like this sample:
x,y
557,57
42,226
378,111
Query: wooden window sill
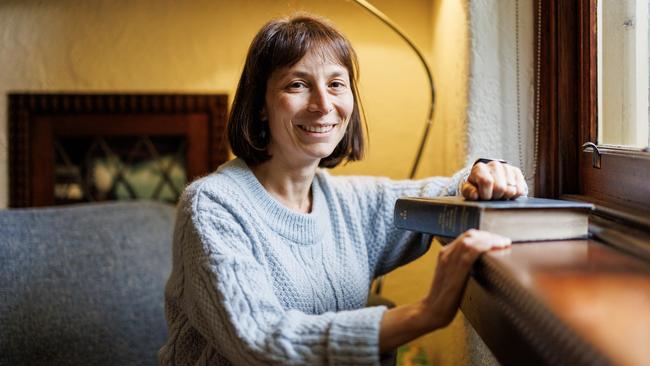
x,y
564,302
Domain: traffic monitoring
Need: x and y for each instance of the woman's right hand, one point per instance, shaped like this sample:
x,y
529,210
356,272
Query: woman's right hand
x,y
407,322
454,264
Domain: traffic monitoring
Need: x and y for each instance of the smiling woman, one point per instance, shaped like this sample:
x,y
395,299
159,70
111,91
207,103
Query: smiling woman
x,y
273,256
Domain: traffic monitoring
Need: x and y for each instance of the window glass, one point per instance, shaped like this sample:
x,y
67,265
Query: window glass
x,y
623,77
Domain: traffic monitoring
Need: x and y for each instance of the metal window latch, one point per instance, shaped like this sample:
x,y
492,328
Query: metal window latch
x,y
595,154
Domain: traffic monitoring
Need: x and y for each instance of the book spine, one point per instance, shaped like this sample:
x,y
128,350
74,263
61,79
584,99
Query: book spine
x,y
436,219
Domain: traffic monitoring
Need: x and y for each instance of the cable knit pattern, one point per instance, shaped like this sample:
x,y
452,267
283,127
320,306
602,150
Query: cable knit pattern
x,y
254,282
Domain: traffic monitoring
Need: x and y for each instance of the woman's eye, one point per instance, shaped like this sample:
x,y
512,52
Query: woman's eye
x,y
337,84
297,85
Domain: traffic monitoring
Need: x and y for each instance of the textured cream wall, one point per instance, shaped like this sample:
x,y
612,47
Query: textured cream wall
x,y
500,117
164,45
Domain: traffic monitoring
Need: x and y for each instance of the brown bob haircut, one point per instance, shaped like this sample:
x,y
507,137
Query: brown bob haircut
x,y
279,44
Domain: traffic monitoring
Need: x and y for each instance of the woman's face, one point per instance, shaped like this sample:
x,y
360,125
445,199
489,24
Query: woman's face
x,y
308,107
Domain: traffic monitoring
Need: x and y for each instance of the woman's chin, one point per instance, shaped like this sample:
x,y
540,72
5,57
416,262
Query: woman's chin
x,y
325,154
319,152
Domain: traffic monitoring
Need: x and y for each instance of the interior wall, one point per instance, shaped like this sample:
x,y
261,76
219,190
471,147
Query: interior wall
x,y
446,149
199,46
501,113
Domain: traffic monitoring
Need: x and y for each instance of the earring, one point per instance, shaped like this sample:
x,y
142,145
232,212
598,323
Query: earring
x,y
264,126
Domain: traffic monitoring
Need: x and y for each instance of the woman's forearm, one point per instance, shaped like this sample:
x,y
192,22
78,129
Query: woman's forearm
x,y
405,323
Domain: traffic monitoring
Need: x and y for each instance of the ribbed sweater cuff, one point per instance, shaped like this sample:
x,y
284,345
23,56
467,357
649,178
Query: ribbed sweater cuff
x,y
354,337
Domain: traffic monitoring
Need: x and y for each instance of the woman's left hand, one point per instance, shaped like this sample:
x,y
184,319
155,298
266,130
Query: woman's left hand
x,y
494,181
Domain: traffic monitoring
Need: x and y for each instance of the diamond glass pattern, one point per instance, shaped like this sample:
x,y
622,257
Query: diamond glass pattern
x,y
119,168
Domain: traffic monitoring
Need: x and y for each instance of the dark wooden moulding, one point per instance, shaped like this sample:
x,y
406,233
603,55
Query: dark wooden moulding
x,y
36,119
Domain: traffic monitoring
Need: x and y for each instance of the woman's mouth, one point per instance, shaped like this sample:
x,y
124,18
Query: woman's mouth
x,y
317,129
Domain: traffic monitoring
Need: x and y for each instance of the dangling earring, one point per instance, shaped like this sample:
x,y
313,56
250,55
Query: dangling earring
x,y
264,126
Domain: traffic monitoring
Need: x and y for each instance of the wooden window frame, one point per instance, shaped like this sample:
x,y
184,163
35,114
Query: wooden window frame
x,y
568,119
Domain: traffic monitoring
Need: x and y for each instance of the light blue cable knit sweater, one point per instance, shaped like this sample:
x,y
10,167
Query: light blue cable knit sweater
x,y
254,282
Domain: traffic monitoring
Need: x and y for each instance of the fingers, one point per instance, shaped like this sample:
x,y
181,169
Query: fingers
x,y
485,240
470,192
470,245
465,250
482,179
510,190
515,183
499,172
494,180
481,241
522,187
454,263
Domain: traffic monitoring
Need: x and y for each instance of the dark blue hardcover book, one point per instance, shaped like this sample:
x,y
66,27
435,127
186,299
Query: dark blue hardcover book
x,y
523,219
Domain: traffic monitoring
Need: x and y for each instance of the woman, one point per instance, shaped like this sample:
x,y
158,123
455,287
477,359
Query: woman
x,y
273,257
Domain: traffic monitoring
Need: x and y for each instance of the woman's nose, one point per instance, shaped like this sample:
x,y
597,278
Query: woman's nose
x,y
320,101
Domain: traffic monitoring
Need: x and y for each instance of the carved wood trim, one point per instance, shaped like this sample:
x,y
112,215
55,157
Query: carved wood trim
x,y
26,108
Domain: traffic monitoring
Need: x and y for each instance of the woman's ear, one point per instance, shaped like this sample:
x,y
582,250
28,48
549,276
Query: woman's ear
x,y
263,116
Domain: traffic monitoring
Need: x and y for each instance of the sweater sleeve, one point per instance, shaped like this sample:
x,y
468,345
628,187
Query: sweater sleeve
x,y
388,246
229,299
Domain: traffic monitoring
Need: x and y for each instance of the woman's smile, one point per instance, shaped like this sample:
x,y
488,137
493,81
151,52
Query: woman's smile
x,y
317,129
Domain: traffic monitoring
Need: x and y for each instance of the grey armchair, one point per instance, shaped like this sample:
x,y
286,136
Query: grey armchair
x,y
83,285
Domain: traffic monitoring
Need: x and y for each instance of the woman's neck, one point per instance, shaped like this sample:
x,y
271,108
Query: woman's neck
x,y
289,184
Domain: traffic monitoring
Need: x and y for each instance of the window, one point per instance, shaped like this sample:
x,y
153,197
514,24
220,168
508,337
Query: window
x,y
579,157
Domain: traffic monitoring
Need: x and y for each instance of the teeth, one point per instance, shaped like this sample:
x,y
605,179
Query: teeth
x,y
317,129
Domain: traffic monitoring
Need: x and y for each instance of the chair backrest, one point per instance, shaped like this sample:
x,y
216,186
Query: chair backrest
x,y
84,284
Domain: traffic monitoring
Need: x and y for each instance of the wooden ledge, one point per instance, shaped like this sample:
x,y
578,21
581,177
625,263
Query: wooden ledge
x,y
564,302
